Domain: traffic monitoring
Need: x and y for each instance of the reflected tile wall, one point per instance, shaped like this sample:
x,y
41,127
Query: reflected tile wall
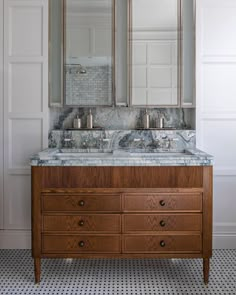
x,y
94,87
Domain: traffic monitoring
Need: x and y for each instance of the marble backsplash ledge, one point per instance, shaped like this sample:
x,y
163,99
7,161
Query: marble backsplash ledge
x,y
122,118
123,139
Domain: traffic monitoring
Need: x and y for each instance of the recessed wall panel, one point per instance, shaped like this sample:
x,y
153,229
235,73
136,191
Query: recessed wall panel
x,y
25,27
224,199
164,75
139,76
18,202
218,22
160,54
159,96
139,53
25,140
25,87
219,140
219,91
139,96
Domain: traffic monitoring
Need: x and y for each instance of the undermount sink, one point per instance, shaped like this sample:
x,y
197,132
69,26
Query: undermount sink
x,y
161,153
79,153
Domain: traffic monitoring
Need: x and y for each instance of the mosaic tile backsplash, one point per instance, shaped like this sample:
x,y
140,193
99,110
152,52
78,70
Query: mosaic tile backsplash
x,y
94,87
121,118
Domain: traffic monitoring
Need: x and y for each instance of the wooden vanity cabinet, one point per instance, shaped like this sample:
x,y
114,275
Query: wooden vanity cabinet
x,y
123,212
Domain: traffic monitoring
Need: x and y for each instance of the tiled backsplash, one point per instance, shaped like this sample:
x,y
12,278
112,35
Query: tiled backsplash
x,y
122,118
94,87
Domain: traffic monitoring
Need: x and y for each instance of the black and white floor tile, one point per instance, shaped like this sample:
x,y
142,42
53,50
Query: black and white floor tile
x,y
115,276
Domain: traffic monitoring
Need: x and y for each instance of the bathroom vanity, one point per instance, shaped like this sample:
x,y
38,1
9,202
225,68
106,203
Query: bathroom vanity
x,y
122,204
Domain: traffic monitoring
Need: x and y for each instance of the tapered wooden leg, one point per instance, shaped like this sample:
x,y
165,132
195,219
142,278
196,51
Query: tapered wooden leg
x,y
37,270
206,269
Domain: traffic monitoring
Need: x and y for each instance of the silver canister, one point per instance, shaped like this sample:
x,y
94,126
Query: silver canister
x,y
161,122
77,123
90,120
146,120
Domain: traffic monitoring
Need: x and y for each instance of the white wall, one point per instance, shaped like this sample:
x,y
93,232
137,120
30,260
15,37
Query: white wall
x,y
216,108
25,82
1,115
26,122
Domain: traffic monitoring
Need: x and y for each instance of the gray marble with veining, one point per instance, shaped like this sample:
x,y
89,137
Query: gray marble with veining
x,y
123,139
121,118
122,148
59,157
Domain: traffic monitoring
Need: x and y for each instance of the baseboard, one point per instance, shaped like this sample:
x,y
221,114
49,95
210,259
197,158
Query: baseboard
x,y
11,239
224,241
15,239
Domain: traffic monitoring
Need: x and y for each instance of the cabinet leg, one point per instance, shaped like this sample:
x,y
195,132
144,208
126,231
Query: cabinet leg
x,y
37,270
206,269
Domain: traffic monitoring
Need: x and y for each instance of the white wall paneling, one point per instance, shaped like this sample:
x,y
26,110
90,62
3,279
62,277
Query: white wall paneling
x,y
25,107
216,108
1,115
152,59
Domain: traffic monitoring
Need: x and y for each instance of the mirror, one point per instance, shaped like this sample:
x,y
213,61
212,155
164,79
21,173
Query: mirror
x,y
89,52
161,53
188,89
88,60
56,58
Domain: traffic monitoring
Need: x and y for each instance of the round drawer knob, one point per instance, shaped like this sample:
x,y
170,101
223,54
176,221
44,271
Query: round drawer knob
x,y
162,223
162,244
81,223
81,244
162,203
81,203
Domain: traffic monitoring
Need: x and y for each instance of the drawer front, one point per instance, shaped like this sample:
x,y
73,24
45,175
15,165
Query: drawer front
x,y
96,202
163,202
83,223
162,222
81,244
161,243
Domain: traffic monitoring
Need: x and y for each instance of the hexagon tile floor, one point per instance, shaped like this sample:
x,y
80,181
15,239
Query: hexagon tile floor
x,y
114,276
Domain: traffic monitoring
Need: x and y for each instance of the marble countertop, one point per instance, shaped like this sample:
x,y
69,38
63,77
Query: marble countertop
x,y
79,157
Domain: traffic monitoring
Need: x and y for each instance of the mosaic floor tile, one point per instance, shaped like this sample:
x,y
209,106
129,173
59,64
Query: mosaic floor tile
x,y
116,276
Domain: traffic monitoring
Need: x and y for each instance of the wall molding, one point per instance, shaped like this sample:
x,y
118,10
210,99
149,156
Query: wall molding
x,y
222,240
217,115
224,171
15,239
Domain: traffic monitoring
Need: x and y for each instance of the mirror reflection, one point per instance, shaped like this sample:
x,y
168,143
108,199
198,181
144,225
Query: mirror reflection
x,y
154,51
88,56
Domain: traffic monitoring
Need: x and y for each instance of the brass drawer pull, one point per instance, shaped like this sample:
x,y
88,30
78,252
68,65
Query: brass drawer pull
x,y
81,223
162,223
81,244
162,244
162,203
81,203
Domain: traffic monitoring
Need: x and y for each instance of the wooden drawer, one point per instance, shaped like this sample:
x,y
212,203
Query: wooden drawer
x,y
81,243
162,222
83,223
161,243
81,202
163,202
